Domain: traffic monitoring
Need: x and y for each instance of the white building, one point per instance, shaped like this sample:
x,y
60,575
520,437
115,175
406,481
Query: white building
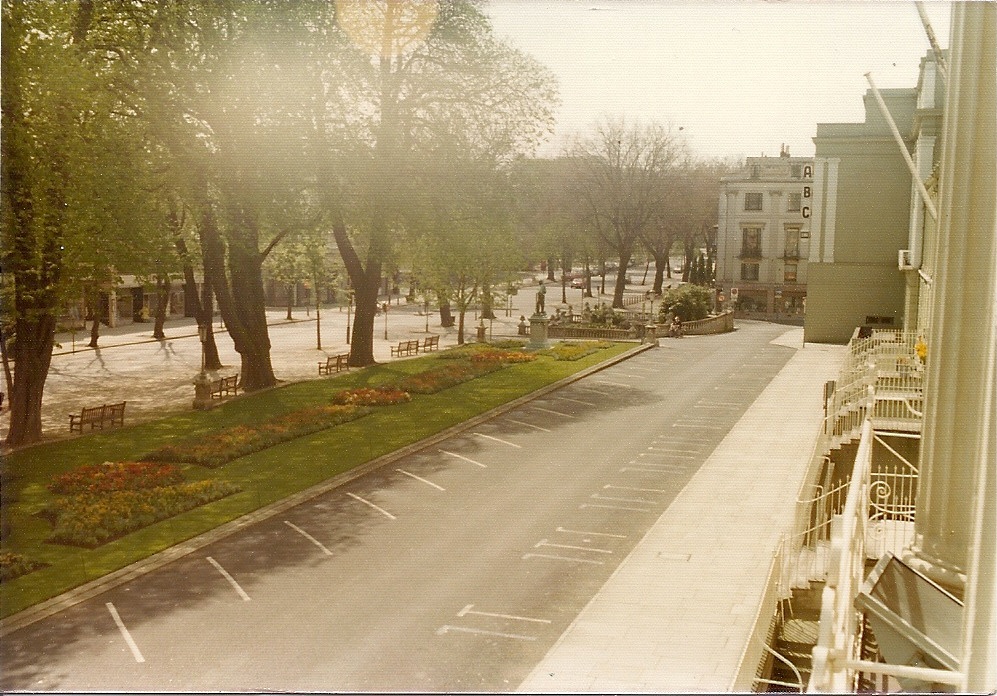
x,y
763,234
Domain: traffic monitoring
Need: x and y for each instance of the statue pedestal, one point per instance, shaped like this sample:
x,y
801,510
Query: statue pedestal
x,y
202,392
651,335
538,332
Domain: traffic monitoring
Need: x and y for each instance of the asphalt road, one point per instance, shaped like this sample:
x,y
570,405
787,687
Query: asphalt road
x,y
454,569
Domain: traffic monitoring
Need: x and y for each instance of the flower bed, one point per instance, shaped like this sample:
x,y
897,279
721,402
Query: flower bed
x,y
496,355
219,448
364,396
92,519
446,376
116,476
14,565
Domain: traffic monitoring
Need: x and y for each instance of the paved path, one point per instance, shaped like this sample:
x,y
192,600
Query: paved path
x,y
678,613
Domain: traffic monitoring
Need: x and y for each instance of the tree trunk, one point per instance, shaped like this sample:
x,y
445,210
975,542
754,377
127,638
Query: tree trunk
x,y
162,304
34,338
241,298
660,266
460,326
621,280
202,305
550,268
588,279
446,317
365,282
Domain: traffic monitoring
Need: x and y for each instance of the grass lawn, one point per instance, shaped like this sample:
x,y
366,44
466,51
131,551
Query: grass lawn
x,y
264,477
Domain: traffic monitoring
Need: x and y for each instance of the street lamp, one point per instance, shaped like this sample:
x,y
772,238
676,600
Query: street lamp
x,y
425,310
202,386
349,311
385,308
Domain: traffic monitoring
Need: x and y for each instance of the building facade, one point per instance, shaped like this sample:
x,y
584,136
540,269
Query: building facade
x,y
861,220
763,237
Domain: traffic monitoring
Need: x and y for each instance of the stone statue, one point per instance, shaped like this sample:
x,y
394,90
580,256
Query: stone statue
x,y
541,298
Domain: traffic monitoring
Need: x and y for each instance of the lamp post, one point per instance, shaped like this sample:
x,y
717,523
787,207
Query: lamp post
x,y
202,385
385,308
425,310
349,311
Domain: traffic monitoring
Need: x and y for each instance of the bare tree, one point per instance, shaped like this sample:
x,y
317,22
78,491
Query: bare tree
x,y
619,172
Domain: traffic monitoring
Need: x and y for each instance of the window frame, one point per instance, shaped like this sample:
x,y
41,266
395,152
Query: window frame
x,y
751,196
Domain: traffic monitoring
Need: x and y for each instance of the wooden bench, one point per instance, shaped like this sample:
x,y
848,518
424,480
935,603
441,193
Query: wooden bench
x,y
430,343
226,386
406,348
97,416
334,363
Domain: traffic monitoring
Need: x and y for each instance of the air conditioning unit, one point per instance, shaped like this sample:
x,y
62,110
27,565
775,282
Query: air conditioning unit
x,y
903,260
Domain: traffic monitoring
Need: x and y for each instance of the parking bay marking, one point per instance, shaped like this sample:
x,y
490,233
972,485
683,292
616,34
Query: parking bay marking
x,y
504,442
136,653
231,580
544,542
515,636
623,500
460,456
615,384
577,401
591,389
367,502
528,425
615,507
561,558
468,610
578,531
419,478
556,413
631,488
309,537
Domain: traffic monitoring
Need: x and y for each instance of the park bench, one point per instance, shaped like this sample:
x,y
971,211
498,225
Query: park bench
x,y
334,363
226,386
406,348
430,343
97,416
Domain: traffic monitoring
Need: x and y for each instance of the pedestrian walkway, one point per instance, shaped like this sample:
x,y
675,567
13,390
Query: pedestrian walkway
x,y
682,612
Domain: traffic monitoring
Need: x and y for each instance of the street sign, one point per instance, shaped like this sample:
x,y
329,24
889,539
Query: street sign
x,y
733,293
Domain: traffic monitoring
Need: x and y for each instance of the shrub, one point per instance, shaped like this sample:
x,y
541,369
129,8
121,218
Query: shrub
x,y
575,351
115,476
379,396
691,302
92,519
14,565
218,448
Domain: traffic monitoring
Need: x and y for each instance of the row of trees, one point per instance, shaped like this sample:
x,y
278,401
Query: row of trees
x,y
162,138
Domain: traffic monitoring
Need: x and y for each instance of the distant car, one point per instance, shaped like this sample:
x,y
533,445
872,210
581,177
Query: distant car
x,y
578,282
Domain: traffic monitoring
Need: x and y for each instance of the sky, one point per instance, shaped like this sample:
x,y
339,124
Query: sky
x,y
739,77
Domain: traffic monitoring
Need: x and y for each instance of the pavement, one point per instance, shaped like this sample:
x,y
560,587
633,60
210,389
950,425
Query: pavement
x,y
680,613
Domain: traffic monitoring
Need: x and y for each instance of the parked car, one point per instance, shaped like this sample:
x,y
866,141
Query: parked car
x,y
578,282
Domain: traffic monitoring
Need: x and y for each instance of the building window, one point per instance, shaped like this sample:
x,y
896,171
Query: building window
x,y
795,201
751,242
796,171
792,241
749,271
756,171
753,201
789,273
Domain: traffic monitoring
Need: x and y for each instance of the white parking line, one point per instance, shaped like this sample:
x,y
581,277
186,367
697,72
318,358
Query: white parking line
x,y
556,413
577,401
561,558
672,450
592,389
367,502
614,384
309,537
136,653
460,456
231,580
703,426
708,404
419,478
631,488
446,629
544,542
504,442
528,425
467,610
623,500
578,531
615,507
670,470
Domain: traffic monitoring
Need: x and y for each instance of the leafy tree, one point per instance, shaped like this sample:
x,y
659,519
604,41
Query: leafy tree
x,y
74,179
410,75
691,302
